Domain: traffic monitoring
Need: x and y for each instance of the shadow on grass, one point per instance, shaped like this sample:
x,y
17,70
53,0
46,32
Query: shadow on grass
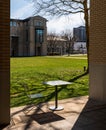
x,y
78,76
21,99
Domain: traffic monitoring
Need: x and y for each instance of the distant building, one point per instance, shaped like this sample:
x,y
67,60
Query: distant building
x,y
60,46
80,43
56,46
28,36
80,47
80,34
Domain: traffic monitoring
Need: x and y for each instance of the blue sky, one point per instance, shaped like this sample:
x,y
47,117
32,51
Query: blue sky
x,y
21,9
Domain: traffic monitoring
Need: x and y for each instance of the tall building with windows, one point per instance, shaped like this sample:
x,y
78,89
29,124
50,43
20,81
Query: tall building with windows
x,y
80,34
28,36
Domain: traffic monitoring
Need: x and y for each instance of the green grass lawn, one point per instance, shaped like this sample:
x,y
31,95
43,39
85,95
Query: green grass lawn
x,y
32,71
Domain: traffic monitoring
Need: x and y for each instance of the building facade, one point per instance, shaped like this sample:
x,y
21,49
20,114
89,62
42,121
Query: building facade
x,y
56,46
80,34
28,36
61,46
80,47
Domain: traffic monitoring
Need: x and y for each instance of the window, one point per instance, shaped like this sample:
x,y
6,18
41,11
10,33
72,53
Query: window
x,y
39,35
13,23
26,35
39,23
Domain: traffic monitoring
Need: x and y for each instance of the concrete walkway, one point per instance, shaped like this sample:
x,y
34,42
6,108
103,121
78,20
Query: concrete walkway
x,y
79,114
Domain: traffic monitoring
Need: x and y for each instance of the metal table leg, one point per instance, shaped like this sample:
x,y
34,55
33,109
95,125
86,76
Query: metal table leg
x,y
56,107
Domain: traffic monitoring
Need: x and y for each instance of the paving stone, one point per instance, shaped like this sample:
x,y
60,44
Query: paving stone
x,y
79,113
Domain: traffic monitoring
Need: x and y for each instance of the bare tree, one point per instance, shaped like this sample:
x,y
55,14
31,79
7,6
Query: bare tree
x,y
56,44
70,39
65,7
51,43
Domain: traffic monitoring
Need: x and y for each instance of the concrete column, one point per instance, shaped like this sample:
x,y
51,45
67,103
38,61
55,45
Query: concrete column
x,y
32,41
4,63
44,44
97,49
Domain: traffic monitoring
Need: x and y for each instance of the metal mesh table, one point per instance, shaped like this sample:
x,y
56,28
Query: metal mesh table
x,y
56,83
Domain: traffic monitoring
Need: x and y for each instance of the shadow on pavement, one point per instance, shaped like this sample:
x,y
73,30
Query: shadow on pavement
x,y
92,117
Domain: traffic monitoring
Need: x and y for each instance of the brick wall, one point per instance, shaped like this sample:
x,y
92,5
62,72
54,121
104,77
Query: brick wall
x,y
97,51
98,31
4,62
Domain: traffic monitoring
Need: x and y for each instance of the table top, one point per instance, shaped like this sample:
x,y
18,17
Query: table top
x,y
57,82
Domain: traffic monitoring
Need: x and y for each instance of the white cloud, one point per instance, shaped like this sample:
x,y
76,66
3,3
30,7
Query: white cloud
x,y
65,22
26,9
23,12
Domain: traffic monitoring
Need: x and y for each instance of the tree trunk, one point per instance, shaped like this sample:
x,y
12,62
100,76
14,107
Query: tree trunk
x,y
69,49
86,17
